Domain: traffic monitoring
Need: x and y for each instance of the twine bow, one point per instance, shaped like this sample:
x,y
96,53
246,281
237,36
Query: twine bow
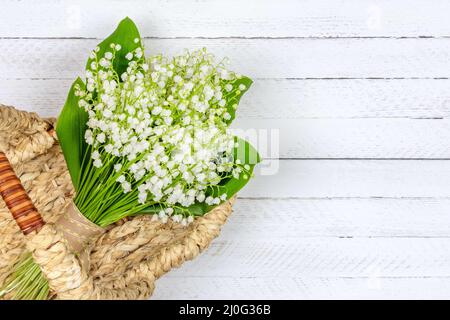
x,y
79,232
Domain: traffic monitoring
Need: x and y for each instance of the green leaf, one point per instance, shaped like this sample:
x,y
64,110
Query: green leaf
x,y
72,120
233,97
124,35
70,129
247,154
197,209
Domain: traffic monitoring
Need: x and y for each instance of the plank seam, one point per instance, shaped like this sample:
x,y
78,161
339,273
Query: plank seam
x,y
344,198
363,158
309,277
420,37
278,79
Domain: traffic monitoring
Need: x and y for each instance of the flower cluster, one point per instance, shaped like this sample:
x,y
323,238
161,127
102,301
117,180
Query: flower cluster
x,y
163,126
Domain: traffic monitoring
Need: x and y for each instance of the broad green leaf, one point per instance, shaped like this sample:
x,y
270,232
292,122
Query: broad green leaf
x,y
247,154
124,35
70,129
197,209
72,120
233,97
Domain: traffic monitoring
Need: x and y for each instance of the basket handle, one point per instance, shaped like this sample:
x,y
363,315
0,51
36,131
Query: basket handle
x,y
17,200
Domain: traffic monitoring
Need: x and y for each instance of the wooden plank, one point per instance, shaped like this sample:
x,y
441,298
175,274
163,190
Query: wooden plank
x,y
283,99
350,178
339,228
321,257
257,58
366,98
299,138
251,18
301,288
306,218
314,267
45,97
347,138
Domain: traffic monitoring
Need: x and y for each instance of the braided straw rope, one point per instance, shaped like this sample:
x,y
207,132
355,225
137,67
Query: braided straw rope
x,y
125,261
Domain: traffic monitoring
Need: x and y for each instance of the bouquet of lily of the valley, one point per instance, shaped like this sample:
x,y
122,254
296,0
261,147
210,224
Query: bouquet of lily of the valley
x,y
145,135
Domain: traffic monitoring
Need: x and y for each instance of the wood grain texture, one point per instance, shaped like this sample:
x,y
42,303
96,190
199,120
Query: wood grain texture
x,y
349,138
359,91
299,138
376,287
283,99
257,58
340,218
232,18
322,257
351,178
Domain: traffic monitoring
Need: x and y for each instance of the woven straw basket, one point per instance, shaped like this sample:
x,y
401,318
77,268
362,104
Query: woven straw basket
x,y
124,262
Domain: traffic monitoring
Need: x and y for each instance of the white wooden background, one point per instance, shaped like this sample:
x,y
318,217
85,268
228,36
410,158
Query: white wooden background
x,y
360,91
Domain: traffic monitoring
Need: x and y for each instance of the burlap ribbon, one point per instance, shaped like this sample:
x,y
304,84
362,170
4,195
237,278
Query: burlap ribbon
x,y
79,232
